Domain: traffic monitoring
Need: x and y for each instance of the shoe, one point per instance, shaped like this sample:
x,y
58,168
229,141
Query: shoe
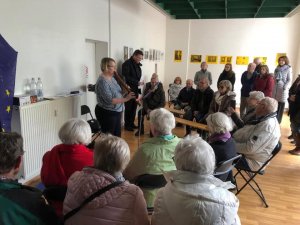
x,y
129,128
295,151
290,137
139,133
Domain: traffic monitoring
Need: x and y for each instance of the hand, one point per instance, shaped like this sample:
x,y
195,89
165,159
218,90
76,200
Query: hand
x,y
131,95
91,87
231,110
292,98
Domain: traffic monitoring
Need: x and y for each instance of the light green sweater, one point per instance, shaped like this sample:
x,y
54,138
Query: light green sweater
x,y
153,157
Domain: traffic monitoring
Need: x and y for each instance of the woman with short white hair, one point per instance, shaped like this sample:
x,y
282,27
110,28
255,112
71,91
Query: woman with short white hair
x,y
122,204
155,155
219,126
64,159
193,195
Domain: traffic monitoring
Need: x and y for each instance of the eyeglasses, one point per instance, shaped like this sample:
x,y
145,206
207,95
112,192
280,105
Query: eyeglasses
x,y
221,87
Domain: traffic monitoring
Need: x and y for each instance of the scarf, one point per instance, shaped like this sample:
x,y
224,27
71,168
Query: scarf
x,y
220,137
279,71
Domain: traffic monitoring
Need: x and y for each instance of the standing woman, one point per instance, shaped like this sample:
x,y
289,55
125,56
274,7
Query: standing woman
x,y
264,82
227,74
282,74
110,99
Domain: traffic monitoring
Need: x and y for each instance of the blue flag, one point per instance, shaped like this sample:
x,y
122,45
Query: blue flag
x,y
8,64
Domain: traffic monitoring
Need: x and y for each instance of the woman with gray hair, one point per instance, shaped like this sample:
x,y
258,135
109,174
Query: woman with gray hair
x,y
122,204
193,195
64,159
252,101
219,126
155,155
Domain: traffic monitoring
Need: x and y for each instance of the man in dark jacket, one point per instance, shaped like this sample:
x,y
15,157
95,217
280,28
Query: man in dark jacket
x,y
131,70
185,96
200,103
153,98
19,204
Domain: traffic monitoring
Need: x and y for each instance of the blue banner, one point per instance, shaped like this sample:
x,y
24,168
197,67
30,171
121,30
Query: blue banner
x,y
8,64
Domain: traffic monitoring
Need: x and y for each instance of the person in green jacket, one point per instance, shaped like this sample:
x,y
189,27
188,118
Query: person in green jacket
x,y
19,204
155,155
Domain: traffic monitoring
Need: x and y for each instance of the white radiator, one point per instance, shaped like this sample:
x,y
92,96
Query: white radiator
x,y
39,124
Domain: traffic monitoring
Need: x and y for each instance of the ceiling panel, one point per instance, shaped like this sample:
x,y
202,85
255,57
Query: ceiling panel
x,y
222,9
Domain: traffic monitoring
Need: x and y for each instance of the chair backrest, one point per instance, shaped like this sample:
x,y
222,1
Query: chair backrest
x,y
225,167
150,181
86,110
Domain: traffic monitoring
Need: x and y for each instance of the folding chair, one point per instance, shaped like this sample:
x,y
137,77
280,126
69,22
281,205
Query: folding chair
x,y
94,124
225,167
150,181
249,175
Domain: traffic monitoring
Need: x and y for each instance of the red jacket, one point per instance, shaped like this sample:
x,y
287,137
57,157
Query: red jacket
x,y
264,84
61,162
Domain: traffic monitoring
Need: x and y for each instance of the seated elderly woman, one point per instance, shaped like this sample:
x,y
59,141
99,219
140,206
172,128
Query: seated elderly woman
x,y
66,158
122,204
193,195
219,126
223,99
19,204
252,101
155,155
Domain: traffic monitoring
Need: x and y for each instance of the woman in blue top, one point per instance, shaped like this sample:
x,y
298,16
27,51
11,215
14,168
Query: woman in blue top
x,y
110,99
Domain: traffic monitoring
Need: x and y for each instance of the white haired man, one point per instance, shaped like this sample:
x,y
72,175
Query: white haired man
x,y
257,140
193,195
153,98
155,155
252,101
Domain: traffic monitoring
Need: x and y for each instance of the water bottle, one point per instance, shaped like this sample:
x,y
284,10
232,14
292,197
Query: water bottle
x,y
33,90
27,87
39,87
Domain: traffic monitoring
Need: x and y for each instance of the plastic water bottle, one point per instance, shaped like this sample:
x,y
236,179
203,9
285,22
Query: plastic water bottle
x,y
27,87
33,90
39,87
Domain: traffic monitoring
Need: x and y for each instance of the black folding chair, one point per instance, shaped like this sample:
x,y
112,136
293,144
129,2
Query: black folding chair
x,y
150,181
249,175
225,167
94,124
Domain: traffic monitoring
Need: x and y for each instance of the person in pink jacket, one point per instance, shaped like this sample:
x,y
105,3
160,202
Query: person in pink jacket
x,y
123,204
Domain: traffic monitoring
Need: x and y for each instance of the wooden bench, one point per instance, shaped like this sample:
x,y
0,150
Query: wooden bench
x,y
200,126
176,111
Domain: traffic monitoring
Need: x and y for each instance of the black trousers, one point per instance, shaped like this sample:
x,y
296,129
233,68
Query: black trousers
x,y
280,110
110,121
130,111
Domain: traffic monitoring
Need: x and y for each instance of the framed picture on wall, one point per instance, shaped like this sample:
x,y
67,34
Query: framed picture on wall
x,y
263,59
212,59
150,54
125,52
196,58
146,54
130,52
178,56
242,60
225,59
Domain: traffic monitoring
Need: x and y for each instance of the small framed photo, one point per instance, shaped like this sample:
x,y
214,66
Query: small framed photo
x,y
130,52
125,52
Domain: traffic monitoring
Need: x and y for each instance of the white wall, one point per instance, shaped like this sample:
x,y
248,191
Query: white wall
x,y
136,24
232,37
50,36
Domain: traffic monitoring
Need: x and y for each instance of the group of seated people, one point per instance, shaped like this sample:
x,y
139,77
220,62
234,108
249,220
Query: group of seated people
x,y
192,195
